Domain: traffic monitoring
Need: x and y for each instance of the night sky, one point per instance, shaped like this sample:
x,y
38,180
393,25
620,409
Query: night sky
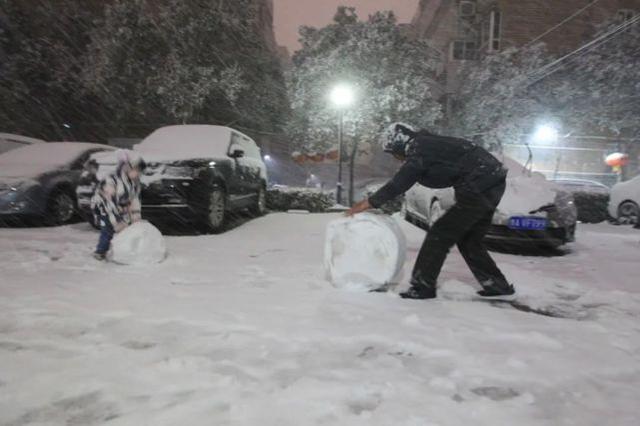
x,y
290,14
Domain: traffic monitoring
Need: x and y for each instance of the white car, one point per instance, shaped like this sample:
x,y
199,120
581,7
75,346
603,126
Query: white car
x,y
533,211
624,201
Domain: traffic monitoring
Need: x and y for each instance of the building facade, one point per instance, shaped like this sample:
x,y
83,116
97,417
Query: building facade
x,y
467,30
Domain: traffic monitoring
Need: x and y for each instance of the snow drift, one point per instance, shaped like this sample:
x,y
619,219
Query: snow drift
x,y
139,244
365,252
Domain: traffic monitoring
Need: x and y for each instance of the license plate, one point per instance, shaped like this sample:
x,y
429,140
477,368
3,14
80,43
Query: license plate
x,y
528,223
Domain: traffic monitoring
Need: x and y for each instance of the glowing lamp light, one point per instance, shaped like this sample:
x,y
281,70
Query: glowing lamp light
x,y
545,134
267,157
342,96
617,159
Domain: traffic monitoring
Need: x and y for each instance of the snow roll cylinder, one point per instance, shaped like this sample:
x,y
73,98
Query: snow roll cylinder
x,y
364,253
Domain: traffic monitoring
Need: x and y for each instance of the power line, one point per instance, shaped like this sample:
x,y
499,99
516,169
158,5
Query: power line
x,y
554,66
555,27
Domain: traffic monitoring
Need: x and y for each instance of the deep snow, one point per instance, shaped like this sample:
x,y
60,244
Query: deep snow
x,y
242,329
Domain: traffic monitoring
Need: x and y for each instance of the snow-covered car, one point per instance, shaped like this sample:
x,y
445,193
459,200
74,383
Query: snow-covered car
x,y
582,185
533,212
38,181
196,174
9,141
624,201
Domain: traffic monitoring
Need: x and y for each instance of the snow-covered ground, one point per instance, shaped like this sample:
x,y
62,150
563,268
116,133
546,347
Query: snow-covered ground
x,y
242,329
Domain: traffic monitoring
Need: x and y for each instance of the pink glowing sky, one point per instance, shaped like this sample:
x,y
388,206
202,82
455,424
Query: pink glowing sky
x,y
290,14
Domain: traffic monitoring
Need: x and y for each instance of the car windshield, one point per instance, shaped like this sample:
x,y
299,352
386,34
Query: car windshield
x,y
186,142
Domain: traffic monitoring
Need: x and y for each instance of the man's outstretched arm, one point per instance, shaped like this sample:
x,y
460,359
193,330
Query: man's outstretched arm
x,y
404,179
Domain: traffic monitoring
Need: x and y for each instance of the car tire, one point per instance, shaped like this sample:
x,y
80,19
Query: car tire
x,y
435,212
628,212
61,207
260,206
216,214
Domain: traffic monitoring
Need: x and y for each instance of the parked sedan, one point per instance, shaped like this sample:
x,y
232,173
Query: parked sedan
x,y
533,211
582,185
197,174
625,201
38,181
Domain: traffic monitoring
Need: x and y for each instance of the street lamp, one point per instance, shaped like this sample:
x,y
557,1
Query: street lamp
x,y
341,97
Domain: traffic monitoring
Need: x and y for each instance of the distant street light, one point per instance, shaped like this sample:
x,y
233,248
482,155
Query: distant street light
x,y
342,97
545,134
267,157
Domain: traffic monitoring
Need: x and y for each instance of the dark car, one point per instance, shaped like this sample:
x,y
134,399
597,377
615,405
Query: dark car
x,y
582,185
196,174
38,181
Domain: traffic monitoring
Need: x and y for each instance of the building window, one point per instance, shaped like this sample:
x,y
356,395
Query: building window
x,y
466,9
464,50
495,30
625,15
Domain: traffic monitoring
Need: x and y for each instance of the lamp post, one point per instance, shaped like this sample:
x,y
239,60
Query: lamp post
x,y
341,97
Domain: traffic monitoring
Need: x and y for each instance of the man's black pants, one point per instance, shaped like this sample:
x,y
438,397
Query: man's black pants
x,y
464,224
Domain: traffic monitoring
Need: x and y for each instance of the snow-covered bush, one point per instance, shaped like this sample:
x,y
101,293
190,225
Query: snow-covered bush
x,y
592,207
312,200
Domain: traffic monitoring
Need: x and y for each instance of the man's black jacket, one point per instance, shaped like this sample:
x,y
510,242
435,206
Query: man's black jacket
x,y
440,162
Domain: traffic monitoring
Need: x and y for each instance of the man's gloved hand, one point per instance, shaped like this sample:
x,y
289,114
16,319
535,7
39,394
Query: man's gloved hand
x,y
359,208
120,226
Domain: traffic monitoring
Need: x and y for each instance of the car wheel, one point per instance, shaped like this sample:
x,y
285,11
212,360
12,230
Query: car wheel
x,y
435,212
216,210
260,206
61,208
628,212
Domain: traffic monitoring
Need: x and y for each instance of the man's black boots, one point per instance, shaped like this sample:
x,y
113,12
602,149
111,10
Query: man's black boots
x,y
419,292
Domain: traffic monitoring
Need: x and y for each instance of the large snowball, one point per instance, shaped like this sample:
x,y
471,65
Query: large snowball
x,y
365,252
139,244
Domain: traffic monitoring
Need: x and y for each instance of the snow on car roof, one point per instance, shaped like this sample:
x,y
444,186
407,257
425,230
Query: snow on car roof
x,y
10,137
32,160
186,142
50,153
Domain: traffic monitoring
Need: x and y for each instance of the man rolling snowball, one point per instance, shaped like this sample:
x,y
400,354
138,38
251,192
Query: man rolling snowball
x,y
478,179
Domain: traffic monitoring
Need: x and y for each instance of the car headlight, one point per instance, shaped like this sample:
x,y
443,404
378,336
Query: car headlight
x,y
24,185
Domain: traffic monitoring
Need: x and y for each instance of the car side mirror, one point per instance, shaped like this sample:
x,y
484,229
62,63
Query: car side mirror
x,y
237,153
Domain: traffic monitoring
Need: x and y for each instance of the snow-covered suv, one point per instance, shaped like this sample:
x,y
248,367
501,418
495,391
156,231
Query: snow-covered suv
x,y
196,174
